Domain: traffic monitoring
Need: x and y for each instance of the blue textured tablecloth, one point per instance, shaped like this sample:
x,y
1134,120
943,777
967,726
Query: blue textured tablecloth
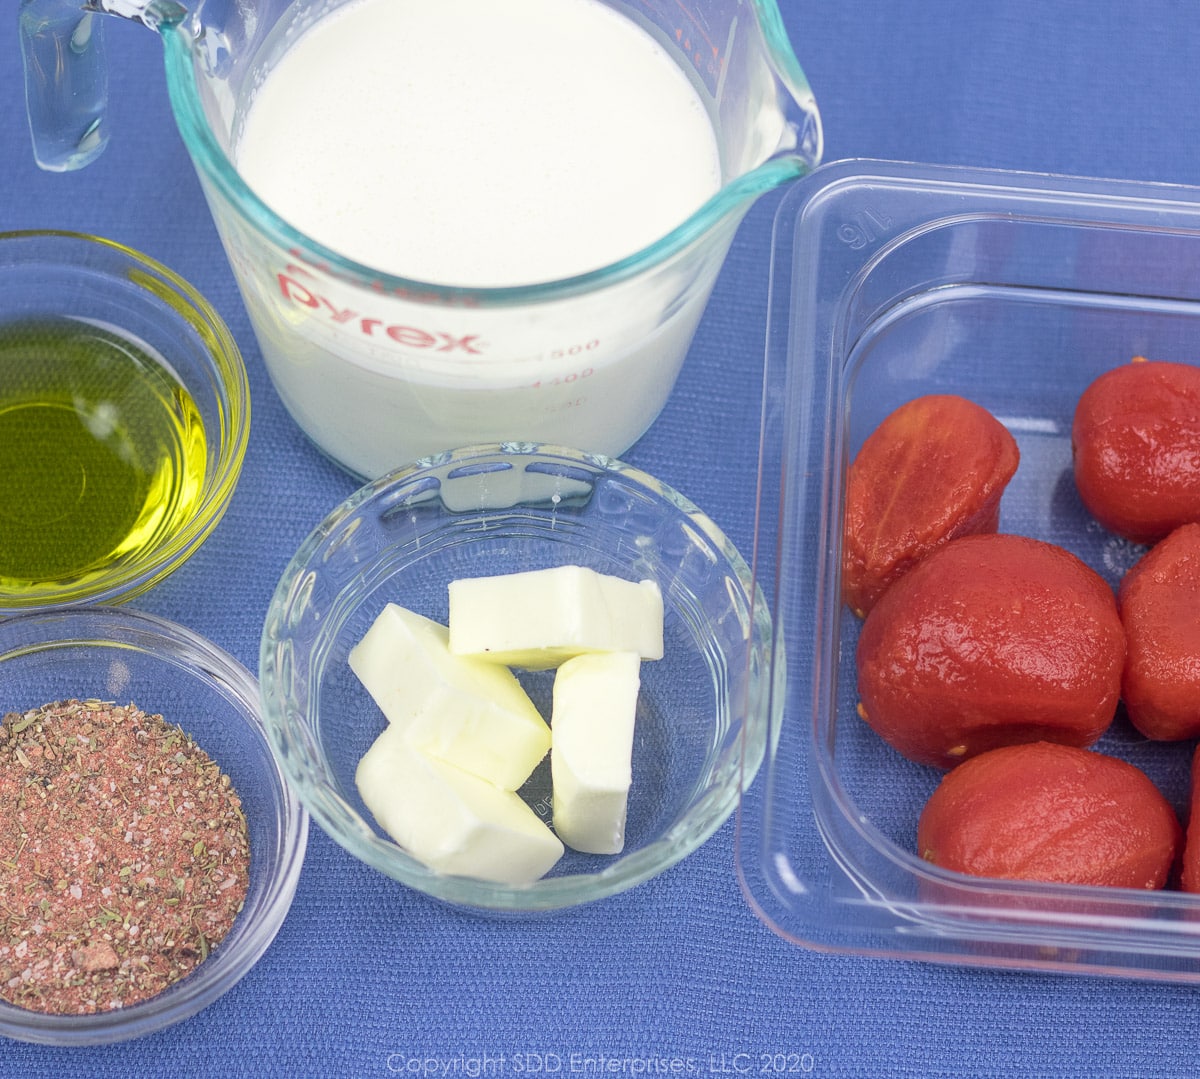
x,y
367,978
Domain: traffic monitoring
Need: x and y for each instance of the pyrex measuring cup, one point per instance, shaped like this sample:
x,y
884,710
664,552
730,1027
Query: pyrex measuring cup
x,y
380,369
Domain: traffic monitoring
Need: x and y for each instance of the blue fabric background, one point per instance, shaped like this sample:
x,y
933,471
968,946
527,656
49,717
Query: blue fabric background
x,y
368,979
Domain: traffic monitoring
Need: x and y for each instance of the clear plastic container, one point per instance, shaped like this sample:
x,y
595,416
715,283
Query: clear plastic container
x,y
892,280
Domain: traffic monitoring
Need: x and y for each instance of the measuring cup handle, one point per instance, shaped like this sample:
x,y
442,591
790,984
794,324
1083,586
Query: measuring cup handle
x,y
66,74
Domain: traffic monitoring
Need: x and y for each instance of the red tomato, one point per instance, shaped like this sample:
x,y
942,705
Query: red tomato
x,y
932,470
991,640
1159,600
1136,444
1054,813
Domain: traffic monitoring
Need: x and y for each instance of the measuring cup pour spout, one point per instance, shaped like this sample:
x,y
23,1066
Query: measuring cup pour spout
x,y
66,77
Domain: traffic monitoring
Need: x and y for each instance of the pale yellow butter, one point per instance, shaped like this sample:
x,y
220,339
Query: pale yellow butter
x,y
452,821
592,724
538,618
466,712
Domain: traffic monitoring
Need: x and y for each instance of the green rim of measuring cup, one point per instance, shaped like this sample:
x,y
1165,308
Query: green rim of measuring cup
x,y
729,202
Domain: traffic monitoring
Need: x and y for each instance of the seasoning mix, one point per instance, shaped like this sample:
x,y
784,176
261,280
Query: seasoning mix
x,y
124,856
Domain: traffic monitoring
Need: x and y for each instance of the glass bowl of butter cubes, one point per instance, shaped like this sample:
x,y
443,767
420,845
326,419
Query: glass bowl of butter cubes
x,y
517,677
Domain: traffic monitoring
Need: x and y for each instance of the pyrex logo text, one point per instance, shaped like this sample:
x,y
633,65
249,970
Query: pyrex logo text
x,y
295,291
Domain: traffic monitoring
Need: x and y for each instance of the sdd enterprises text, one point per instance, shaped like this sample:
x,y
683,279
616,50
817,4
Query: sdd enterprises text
x,y
486,1065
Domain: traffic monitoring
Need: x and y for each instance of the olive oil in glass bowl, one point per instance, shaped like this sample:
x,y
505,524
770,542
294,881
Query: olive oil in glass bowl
x,y
124,412
101,451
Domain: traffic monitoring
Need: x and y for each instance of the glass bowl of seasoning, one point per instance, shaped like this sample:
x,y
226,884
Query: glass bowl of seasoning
x,y
576,535
149,845
124,418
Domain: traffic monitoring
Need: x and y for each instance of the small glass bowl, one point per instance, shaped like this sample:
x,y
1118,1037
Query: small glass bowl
x,y
699,731
122,655
56,275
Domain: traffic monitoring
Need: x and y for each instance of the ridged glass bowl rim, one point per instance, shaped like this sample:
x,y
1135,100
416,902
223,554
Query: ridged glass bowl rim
x,y
230,384
293,727
99,627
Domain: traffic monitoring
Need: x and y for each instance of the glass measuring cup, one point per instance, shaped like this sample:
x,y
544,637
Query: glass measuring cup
x,y
380,369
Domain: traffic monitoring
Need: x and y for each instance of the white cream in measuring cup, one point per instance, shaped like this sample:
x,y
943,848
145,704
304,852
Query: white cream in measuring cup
x,y
458,221
476,144
470,142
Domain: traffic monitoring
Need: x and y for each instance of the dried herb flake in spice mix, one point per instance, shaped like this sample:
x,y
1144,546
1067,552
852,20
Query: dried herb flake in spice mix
x,y
124,856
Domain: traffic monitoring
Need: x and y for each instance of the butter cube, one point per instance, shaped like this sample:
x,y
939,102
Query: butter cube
x,y
468,713
452,821
595,701
538,618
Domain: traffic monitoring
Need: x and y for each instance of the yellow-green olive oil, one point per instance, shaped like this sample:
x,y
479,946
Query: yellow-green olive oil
x,y
102,453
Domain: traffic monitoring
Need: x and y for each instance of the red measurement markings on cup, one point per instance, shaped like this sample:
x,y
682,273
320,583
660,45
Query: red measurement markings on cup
x,y
572,381
565,378
693,35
